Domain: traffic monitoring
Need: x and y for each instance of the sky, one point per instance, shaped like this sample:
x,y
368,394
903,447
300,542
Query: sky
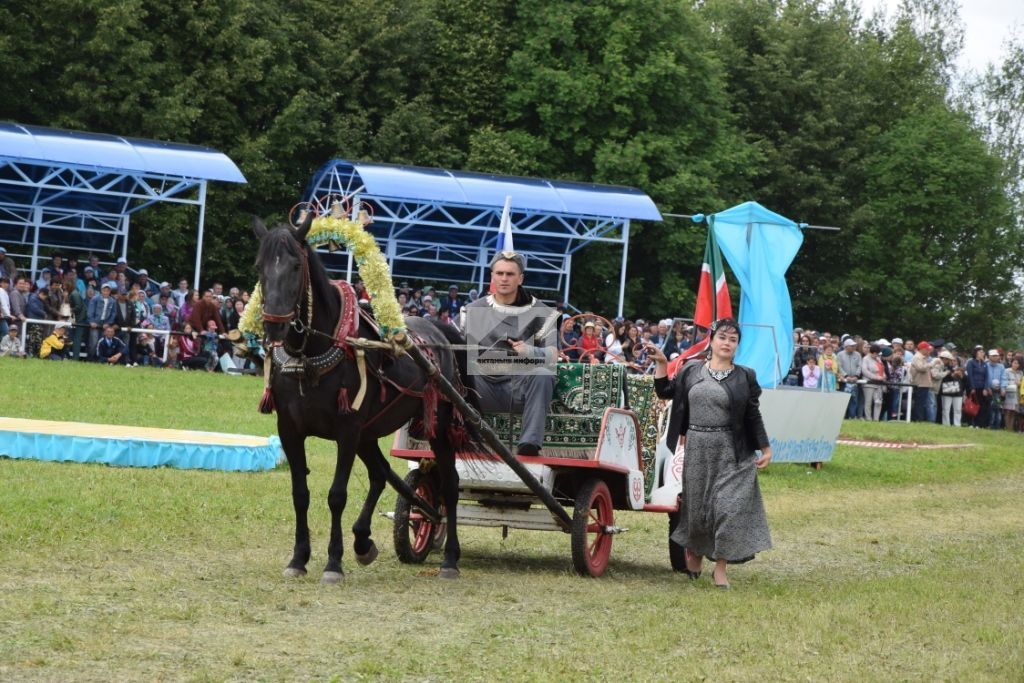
x,y
987,25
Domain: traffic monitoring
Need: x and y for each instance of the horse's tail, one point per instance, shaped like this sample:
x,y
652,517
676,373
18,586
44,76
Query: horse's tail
x,y
472,441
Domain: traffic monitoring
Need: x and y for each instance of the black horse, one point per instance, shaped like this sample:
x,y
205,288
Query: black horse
x,y
315,384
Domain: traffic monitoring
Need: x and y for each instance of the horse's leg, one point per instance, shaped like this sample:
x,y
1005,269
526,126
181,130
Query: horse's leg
x,y
336,499
444,454
376,469
294,446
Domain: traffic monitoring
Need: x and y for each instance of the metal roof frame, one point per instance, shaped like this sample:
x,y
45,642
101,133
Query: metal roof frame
x,y
443,225
78,190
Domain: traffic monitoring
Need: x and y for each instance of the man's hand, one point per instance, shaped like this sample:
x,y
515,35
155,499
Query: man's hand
x,y
519,346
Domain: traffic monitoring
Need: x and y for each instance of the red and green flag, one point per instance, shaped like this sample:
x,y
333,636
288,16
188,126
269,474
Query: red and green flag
x,y
713,300
712,294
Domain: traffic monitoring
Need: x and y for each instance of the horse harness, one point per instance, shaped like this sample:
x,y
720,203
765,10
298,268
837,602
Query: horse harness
x,y
344,344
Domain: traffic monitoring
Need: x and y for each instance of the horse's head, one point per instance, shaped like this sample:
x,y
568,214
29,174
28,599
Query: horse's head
x,y
283,265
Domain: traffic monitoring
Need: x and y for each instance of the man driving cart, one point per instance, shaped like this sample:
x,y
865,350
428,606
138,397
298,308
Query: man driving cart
x,y
514,337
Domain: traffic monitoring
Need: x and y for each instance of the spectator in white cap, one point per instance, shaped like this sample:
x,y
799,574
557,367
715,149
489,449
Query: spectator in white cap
x,y
997,379
53,346
850,371
452,304
897,347
145,284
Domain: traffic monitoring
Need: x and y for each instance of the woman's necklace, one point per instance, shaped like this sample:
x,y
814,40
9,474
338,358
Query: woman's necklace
x,y
720,374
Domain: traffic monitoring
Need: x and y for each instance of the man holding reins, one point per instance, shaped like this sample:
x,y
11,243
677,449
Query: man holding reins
x,y
517,338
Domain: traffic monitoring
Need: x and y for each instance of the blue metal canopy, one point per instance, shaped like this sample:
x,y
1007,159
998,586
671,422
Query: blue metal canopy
x,y
442,225
77,190
99,150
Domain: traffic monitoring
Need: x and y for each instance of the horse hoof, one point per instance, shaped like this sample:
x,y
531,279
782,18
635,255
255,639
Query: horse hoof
x,y
293,573
369,556
448,573
331,578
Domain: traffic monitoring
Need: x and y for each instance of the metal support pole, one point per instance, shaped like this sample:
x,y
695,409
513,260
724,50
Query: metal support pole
x,y
492,439
125,225
37,219
199,235
622,272
568,276
482,260
356,206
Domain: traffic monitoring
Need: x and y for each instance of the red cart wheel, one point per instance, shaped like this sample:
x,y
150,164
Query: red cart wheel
x,y
414,534
591,544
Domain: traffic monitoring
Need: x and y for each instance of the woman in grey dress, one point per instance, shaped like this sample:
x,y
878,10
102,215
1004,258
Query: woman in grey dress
x,y
715,412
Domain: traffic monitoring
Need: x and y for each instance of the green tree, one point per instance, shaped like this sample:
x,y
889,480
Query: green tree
x,y
933,254
621,92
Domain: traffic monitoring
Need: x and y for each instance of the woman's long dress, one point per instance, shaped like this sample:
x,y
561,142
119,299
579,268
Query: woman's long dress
x,y
722,515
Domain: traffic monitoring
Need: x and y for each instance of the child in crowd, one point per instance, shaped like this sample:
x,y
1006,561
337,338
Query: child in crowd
x,y
811,373
53,346
145,351
210,343
829,365
172,352
10,345
190,352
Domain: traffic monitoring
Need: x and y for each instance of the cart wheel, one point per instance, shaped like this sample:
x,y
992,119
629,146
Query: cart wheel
x,y
676,552
591,546
415,535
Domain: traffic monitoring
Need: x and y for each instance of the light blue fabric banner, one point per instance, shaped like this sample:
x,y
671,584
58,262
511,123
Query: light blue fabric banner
x,y
127,452
759,245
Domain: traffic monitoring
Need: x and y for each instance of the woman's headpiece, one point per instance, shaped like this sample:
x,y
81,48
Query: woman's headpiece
x,y
726,324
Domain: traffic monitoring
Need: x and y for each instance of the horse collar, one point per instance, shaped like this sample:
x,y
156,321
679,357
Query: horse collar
x,y
321,364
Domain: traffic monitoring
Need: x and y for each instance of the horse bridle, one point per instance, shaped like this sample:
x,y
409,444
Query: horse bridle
x,y
294,315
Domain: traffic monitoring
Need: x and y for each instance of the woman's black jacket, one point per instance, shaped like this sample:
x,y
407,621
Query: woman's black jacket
x,y
748,431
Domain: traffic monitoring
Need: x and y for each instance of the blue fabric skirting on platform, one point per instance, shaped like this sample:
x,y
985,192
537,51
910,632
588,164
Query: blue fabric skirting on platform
x,y
129,452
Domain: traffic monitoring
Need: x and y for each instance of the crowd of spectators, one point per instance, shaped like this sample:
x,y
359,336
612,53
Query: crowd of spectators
x,y
115,314
936,377
120,316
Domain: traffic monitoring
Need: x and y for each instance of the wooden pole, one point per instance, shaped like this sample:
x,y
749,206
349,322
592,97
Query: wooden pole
x,y
492,440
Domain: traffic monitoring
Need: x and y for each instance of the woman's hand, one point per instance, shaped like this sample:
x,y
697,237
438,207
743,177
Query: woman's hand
x,y
766,457
656,354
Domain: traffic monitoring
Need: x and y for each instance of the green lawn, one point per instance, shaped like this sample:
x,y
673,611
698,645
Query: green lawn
x,y
888,565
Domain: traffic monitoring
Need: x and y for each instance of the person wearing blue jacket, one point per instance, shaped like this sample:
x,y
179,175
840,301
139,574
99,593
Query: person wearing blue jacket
x,y
102,311
979,386
997,385
110,349
35,309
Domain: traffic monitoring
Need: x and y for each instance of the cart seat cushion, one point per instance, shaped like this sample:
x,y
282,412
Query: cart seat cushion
x,y
587,389
582,393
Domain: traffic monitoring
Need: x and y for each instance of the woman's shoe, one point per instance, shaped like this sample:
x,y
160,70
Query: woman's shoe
x,y
688,556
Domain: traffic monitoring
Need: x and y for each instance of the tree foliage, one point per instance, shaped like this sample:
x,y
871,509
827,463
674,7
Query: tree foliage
x,y
802,105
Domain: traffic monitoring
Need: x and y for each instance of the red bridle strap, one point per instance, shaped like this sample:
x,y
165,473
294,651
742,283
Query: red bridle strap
x,y
288,317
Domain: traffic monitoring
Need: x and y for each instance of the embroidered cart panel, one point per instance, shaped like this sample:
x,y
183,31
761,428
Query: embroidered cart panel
x,y
582,393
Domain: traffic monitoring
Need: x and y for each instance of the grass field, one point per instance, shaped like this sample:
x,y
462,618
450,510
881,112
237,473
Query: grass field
x,y
888,565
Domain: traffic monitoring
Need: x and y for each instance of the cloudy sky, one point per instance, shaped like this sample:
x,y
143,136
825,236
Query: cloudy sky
x,y
987,24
